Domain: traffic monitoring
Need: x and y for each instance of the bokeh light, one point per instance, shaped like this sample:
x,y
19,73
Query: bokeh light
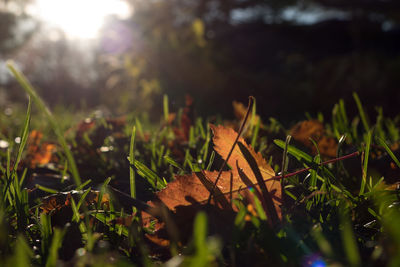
x,y
79,19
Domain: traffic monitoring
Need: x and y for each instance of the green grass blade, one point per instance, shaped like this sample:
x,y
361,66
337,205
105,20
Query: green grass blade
x,y
8,166
22,254
389,151
132,181
83,198
391,229
23,176
83,184
172,162
365,162
45,232
149,175
270,207
166,108
211,161
363,116
26,85
255,134
297,153
322,242
139,127
46,189
24,135
56,243
76,217
285,159
349,240
200,229
253,116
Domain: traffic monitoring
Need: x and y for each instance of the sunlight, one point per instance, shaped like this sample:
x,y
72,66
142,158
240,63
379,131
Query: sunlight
x,y
79,19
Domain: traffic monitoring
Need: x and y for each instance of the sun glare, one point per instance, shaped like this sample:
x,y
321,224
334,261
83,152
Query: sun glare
x,y
80,19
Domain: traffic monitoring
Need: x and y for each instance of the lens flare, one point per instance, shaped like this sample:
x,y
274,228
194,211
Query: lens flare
x,y
314,260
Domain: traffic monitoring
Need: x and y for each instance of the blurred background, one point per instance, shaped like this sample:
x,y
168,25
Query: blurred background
x,y
292,55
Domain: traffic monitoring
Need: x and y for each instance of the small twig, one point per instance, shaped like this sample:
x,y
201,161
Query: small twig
x,y
279,177
354,154
250,105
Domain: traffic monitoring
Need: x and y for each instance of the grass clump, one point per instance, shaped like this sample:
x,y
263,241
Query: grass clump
x,y
335,212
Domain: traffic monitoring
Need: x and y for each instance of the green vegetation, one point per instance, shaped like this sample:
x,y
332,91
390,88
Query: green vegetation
x,y
341,213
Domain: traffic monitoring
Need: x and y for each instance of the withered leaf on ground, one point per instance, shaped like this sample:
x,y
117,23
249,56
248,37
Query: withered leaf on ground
x,y
314,129
240,110
223,142
39,153
182,130
250,165
195,188
187,194
55,202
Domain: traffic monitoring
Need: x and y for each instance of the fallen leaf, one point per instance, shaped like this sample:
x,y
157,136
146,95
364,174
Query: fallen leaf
x,y
223,142
39,153
240,110
188,194
34,139
186,120
314,129
54,202
43,155
195,188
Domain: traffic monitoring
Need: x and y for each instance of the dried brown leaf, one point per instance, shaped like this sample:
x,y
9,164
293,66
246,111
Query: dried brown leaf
x,y
314,129
188,194
195,188
240,110
223,141
57,201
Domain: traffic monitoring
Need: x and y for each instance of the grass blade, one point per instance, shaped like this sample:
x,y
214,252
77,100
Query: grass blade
x,y
56,243
270,207
349,240
363,116
297,153
26,85
22,254
24,135
46,189
132,181
166,108
365,162
155,181
389,151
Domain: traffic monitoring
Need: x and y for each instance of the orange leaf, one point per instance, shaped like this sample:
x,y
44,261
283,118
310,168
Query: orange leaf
x,y
43,156
195,188
314,129
251,166
188,194
34,141
57,201
223,141
240,111
39,153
